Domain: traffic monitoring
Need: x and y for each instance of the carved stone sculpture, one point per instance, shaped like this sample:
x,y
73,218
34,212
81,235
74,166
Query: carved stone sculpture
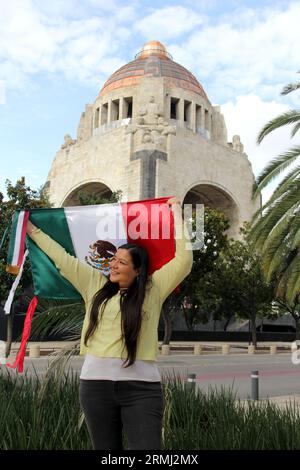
x,y
68,142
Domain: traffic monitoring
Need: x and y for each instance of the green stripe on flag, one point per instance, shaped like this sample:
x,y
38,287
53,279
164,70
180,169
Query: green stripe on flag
x,y
12,237
45,275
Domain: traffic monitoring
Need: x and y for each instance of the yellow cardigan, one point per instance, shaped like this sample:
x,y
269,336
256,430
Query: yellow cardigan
x,y
107,339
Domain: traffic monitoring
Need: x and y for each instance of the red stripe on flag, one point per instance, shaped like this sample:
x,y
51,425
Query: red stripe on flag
x,y
160,250
23,236
19,361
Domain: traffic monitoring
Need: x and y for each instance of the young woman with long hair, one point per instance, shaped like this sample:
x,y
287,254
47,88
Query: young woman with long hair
x,y
120,384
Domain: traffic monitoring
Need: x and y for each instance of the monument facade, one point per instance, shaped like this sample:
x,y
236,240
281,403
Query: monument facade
x,y
152,132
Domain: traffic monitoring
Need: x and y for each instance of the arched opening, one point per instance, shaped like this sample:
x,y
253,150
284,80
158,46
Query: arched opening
x,y
91,188
215,198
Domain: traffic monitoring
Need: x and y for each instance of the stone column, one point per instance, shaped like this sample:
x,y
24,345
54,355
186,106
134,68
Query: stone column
x,y
202,121
96,118
181,110
34,350
148,171
225,348
167,113
121,107
193,117
109,112
198,349
103,114
207,119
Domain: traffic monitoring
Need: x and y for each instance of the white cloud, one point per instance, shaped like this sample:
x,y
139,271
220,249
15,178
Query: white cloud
x,y
167,23
246,116
32,41
245,51
267,192
55,8
248,50
2,92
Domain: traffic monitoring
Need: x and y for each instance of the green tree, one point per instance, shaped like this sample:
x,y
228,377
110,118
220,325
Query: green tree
x,y
217,291
215,239
276,227
282,307
86,199
236,286
19,196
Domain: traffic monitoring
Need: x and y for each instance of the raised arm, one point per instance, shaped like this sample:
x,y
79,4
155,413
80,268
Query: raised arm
x,y
171,274
79,274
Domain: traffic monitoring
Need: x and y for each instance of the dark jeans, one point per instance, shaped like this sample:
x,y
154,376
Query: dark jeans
x,y
134,406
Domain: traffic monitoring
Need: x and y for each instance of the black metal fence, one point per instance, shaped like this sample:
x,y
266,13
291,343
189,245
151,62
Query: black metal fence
x,y
177,335
242,336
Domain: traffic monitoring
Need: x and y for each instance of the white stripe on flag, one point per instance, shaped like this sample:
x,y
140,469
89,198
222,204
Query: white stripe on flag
x,y
18,237
11,295
89,224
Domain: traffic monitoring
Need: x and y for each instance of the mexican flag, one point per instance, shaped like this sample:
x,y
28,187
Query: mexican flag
x,y
92,234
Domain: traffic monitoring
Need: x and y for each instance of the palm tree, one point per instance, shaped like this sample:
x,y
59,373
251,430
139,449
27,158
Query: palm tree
x,y
276,226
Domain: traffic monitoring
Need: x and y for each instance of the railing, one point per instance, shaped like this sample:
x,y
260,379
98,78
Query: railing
x,y
125,122
185,125
153,51
204,132
111,126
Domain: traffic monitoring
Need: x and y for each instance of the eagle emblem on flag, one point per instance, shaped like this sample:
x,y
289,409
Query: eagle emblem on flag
x,y
100,254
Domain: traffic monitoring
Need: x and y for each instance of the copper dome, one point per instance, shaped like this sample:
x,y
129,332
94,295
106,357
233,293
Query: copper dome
x,y
153,61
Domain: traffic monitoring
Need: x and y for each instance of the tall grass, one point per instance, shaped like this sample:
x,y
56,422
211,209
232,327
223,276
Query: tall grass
x,y
216,420
45,414
41,414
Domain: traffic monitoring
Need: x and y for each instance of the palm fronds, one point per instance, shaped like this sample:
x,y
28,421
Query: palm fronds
x,y
56,319
275,231
275,168
290,87
284,119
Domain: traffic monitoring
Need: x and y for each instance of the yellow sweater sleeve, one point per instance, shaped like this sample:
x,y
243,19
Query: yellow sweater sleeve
x,y
82,276
171,274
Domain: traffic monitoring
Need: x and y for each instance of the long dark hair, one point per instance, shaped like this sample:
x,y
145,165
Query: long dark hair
x,y
131,302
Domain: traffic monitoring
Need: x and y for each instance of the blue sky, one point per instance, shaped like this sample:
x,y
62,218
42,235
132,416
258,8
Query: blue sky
x,y
55,57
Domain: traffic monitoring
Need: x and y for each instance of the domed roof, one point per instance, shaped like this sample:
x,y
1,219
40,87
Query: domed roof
x,y
153,61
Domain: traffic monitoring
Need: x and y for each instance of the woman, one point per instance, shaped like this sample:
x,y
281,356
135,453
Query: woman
x,y
120,385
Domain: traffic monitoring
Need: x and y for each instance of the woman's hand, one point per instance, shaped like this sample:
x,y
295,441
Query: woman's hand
x,y
30,227
173,200
175,205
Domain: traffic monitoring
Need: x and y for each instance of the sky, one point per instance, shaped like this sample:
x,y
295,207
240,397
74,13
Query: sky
x,y
55,57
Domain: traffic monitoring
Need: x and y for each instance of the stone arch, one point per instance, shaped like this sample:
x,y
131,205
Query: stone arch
x,y
214,196
91,187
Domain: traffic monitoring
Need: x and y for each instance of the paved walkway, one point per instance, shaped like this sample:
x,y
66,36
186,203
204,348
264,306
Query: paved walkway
x,y
281,401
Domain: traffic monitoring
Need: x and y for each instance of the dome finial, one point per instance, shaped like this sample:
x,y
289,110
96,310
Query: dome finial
x,y
153,48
